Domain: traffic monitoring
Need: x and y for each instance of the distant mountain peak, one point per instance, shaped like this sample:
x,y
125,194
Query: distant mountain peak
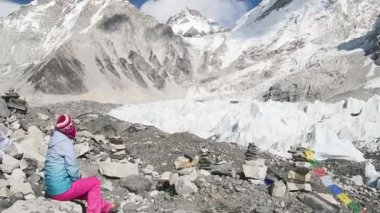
x,y
191,23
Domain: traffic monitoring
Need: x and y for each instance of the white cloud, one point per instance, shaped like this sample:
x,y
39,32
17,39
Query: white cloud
x,y
7,7
225,12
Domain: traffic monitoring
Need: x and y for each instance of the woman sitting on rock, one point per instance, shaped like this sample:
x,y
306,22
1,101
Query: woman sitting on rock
x,y
62,180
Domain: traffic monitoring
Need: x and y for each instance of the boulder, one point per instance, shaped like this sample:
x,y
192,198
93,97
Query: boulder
x,y
317,203
107,185
16,177
182,162
24,188
4,112
117,147
42,117
299,176
33,146
14,150
173,180
226,169
357,180
9,164
292,187
191,175
85,134
278,189
44,205
165,176
4,192
185,187
5,131
255,172
18,134
118,170
148,169
81,149
136,184
257,162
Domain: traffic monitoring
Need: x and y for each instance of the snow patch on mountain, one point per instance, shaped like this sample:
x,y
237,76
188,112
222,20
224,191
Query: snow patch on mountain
x,y
313,50
191,23
72,44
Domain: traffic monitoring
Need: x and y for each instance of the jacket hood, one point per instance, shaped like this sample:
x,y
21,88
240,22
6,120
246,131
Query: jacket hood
x,y
57,138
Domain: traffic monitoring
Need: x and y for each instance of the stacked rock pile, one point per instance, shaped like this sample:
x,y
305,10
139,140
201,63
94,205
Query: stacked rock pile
x,y
300,176
254,168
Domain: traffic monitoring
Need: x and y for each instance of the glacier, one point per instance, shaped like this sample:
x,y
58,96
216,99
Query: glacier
x,y
331,129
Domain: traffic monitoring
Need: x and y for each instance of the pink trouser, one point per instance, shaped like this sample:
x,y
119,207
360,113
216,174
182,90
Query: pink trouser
x,y
87,189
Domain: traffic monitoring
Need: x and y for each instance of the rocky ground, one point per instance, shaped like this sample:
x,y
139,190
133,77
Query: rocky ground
x,y
148,170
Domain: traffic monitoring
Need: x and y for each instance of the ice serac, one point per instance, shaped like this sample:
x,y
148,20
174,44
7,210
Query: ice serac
x,y
63,47
191,23
294,50
332,130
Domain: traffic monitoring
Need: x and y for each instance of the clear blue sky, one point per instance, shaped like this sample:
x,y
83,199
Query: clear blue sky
x,y
22,1
138,3
251,3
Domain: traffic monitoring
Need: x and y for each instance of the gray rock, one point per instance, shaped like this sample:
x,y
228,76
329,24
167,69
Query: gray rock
x,y
130,207
255,172
44,205
24,188
136,184
226,169
357,180
9,164
33,146
5,131
107,185
4,192
278,189
264,209
42,117
192,176
14,150
317,203
292,187
34,178
4,112
185,187
81,149
118,170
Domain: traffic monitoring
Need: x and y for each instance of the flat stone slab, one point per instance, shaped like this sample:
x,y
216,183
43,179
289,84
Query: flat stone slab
x,y
44,205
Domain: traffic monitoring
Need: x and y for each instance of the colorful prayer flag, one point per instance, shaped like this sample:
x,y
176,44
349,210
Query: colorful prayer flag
x,y
327,181
335,190
320,172
309,155
343,197
356,208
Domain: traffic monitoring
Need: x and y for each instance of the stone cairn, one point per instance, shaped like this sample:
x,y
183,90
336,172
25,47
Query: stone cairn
x,y
254,168
300,176
206,160
251,153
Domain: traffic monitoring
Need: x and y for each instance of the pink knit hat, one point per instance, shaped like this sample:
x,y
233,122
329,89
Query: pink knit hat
x,y
65,124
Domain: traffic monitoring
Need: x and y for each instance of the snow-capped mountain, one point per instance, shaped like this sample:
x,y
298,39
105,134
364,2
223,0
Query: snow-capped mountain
x,y
99,48
286,50
191,23
293,50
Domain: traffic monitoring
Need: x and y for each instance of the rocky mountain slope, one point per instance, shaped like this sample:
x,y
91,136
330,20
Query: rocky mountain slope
x,y
90,47
286,50
191,23
290,50
217,182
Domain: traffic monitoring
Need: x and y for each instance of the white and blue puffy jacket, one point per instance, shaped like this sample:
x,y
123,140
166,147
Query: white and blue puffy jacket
x,y
61,168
